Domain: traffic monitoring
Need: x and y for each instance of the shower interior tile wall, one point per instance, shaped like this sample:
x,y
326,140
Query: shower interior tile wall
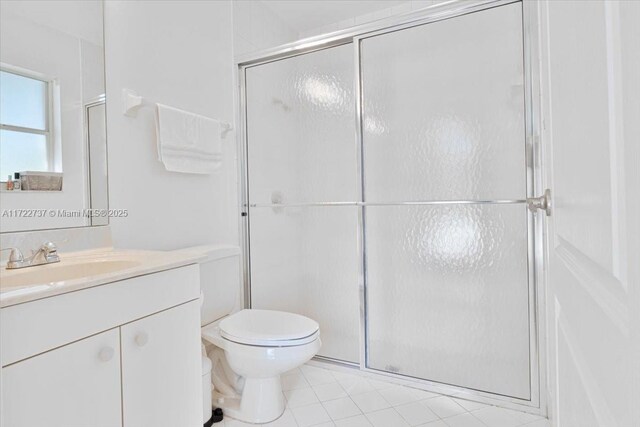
x,y
287,237
311,161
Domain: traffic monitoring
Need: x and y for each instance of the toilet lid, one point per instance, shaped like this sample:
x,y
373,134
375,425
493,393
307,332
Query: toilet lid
x,y
269,328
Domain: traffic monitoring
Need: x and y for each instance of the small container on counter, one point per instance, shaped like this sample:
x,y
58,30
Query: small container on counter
x,y
16,181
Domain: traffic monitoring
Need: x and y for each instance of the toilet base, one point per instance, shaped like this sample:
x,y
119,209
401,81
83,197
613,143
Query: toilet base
x,y
262,401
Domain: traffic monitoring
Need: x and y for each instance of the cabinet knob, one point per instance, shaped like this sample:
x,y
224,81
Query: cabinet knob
x,y
106,354
142,339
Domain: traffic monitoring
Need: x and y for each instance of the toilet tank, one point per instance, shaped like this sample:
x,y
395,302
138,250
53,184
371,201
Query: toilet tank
x,y
219,281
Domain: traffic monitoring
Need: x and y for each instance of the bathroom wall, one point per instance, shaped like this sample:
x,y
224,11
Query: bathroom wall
x,y
180,54
261,24
257,27
398,9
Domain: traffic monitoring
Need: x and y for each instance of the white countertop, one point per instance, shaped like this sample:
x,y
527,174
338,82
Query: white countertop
x,y
89,268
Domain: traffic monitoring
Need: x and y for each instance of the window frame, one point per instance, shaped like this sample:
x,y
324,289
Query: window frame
x,y
48,132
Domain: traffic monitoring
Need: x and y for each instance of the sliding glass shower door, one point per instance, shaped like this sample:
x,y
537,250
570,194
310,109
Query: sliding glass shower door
x,y
301,168
444,149
404,233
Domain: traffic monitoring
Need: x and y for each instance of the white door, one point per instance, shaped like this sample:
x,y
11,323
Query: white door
x,y
591,138
77,385
161,369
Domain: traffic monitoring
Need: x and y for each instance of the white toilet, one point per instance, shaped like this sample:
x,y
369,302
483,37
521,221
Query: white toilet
x,y
252,347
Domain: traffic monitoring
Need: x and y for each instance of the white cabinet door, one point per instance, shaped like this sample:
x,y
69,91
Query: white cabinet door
x,y
77,385
161,369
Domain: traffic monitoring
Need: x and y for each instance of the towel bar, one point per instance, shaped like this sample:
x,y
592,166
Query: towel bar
x,y
131,102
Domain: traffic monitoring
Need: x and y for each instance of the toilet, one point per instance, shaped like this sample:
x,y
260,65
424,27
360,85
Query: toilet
x,y
250,348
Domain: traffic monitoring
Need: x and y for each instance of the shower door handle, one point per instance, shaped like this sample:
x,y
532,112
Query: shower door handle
x,y
540,203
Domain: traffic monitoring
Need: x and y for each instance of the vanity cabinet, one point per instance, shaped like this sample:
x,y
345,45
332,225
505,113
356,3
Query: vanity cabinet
x,y
76,385
161,380
123,354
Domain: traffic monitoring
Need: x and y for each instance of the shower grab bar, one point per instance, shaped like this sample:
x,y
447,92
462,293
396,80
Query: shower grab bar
x,y
415,203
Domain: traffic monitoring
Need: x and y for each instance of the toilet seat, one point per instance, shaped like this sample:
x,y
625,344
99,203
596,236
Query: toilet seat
x,y
258,346
269,328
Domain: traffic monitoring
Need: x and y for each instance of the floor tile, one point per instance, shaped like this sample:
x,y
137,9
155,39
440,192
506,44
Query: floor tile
x,y
438,423
285,420
300,397
543,422
469,405
314,386
310,415
341,408
416,413
444,406
342,376
316,376
386,418
525,418
230,422
294,381
329,391
497,417
370,402
356,385
379,384
358,421
463,420
398,395
424,394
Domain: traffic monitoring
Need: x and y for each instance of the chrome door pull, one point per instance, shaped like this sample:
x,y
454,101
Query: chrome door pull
x,y
540,203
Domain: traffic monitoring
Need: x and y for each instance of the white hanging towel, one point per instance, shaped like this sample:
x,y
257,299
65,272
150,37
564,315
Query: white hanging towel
x,y
187,142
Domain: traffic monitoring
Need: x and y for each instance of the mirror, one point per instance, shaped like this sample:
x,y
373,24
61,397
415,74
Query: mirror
x,y
53,146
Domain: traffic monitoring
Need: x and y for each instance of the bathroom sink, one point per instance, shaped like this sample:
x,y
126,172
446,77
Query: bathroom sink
x,y
60,272
81,270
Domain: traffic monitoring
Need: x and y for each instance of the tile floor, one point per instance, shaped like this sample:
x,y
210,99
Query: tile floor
x,y
343,398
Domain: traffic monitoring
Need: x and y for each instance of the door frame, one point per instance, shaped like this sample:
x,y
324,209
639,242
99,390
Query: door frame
x,y
536,249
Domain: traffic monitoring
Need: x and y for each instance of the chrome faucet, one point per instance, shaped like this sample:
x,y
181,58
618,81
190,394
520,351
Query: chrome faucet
x,y
46,254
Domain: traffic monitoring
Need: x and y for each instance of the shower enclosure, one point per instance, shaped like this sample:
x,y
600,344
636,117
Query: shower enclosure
x,y
404,232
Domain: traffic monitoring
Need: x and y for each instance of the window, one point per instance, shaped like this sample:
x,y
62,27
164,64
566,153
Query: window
x,y
25,128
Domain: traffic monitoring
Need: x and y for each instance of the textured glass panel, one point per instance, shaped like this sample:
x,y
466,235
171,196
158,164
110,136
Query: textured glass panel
x,y
22,152
301,135
23,101
443,110
305,261
447,294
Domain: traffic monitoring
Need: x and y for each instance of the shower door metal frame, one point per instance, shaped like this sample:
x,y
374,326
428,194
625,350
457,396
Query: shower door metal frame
x,y
536,252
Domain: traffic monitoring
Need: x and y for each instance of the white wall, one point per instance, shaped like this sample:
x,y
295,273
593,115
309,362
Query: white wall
x,y
180,54
261,24
398,9
80,19
256,27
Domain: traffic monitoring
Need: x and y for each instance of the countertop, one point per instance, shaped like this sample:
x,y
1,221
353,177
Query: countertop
x,y
86,269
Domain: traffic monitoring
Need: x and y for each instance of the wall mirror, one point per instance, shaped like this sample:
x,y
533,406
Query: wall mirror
x,y
53,146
